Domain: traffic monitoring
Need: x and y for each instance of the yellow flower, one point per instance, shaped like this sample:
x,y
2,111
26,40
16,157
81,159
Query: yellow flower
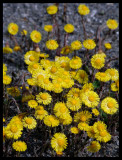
x,y
40,113
66,120
83,116
52,9
16,120
69,28
13,91
103,136
48,28
99,126
81,76
101,53
75,62
17,48
115,86
46,84
57,87
31,57
91,99
95,112
73,103
3,119
66,50
89,44
45,63
91,132
109,105
29,122
26,96
4,134
83,9
24,32
52,44
74,92
32,104
94,147
44,97
34,67
13,28
59,142
83,126
35,36
13,131
44,55
102,76
112,24
74,130
63,62
7,49
113,73
51,121
6,79
76,45
107,45
72,74
60,109
97,61
19,146
31,82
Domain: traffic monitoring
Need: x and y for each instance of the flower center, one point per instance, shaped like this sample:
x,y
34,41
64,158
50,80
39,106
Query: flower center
x,y
91,98
76,95
43,96
83,124
102,74
37,35
39,77
57,85
110,105
75,61
98,61
63,64
40,112
77,43
28,121
103,133
46,81
67,80
83,118
82,75
20,144
100,127
90,42
67,50
59,80
63,109
5,77
65,73
112,73
31,58
47,61
52,42
93,144
53,69
13,27
14,129
33,102
74,102
60,142
35,66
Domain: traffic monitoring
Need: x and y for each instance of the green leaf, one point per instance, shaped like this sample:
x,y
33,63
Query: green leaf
x,y
96,84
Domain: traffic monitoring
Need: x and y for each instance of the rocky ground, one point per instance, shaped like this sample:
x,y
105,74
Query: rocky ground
x,y
32,16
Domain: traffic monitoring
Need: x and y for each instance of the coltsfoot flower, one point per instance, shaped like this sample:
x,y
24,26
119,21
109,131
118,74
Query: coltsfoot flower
x,y
19,146
83,126
29,122
83,9
113,73
74,130
66,50
52,44
13,91
7,49
102,76
89,44
83,116
95,112
13,28
94,146
51,121
31,57
48,28
44,98
107,45
35,36
59,142
81,76
109,105
32,104
52,9
75,62
112,24
69,28
115,86
76,45
6,79
103,136
97,61
74,103
24,32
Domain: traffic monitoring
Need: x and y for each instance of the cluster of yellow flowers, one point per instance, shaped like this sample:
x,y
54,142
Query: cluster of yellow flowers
x,y
65,77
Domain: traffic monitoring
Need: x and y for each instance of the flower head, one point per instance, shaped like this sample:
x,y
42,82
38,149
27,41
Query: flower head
x,y
103,136
115,86
52,44
102,76
83,126
109,105
95,112
17,48
113,73
69,28
75,63
7,49
94,147
35,36
83,116
97,61
13,91
112,24
89,44
107,45
51,121
13,28
40,113
74,130
31,57
48,28
29,122
66,50
81,76
6,79
52,9
73,103
24,32
19,146
59,142
76,45
44,97
83,9
32,104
